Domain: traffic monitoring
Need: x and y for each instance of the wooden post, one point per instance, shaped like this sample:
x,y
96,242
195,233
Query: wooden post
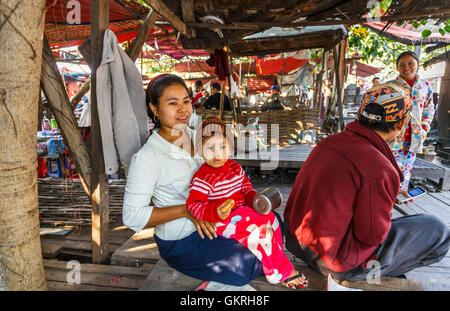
x,y
232,101
342,64
318,103
444,105
99,179
58,100
222,97
338,73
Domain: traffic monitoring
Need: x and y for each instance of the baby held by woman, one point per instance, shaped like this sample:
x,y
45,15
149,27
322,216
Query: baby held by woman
x,y
220,192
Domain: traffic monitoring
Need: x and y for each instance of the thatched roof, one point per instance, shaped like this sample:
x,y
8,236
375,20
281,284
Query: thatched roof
x,y
181,22
245,17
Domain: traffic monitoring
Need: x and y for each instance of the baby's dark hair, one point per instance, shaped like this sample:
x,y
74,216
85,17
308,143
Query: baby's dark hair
x,y
155,90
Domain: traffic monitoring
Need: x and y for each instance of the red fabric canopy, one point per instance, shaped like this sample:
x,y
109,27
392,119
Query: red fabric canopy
x,y
125,20
363,70
193,67
276,64
259,84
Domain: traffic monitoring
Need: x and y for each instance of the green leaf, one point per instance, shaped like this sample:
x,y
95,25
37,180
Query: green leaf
x,y
426,33
442,31
447,28
423,22
415,24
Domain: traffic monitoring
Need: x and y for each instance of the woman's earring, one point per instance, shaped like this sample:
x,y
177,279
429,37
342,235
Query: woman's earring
x,y
156,119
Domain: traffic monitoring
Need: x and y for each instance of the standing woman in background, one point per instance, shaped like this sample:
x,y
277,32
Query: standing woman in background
x,y
411,142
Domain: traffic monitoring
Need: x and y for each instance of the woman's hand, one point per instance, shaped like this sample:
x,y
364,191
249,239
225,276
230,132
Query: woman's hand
x,y
204,227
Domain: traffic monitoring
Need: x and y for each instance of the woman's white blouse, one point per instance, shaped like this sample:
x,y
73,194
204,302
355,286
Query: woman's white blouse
x,y
160,172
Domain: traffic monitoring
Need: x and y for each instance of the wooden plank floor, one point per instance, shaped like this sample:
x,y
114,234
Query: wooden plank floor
x,y
79,242
60,275
438,204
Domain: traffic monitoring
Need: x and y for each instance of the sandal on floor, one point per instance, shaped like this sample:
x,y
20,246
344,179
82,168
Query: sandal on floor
x,y
295,286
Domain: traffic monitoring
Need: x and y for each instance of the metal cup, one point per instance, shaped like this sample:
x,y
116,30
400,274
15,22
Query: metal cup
x,y
267,200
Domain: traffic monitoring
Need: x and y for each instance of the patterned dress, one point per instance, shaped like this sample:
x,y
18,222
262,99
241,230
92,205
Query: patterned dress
x,y
261,234
410,141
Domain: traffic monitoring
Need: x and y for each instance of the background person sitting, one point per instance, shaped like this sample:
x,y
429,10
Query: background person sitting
x,y
274,102
362,84
375,81
213,101
197,94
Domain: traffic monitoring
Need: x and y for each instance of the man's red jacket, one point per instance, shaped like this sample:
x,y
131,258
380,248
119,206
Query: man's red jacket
x,y
341,202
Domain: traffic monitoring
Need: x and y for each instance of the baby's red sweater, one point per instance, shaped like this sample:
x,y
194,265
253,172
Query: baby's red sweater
x,y
211,186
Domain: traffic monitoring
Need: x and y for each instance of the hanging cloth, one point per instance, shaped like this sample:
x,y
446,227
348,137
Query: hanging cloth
x,y
219,60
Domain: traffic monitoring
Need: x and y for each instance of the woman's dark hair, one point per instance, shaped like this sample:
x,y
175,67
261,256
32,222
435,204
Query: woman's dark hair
x,y
382,126
411,53
155,90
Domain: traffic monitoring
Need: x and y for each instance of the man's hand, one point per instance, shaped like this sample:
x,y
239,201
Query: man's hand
x,y
406,194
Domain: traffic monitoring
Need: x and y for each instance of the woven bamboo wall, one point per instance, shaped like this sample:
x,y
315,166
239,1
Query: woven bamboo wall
x,y
290,122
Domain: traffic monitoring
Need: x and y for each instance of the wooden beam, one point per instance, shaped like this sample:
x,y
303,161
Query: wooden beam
x,y
81,92
170,16
326,39
438,46
351,21
99,186
440,58
235,25
187,9
55,92
142,35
